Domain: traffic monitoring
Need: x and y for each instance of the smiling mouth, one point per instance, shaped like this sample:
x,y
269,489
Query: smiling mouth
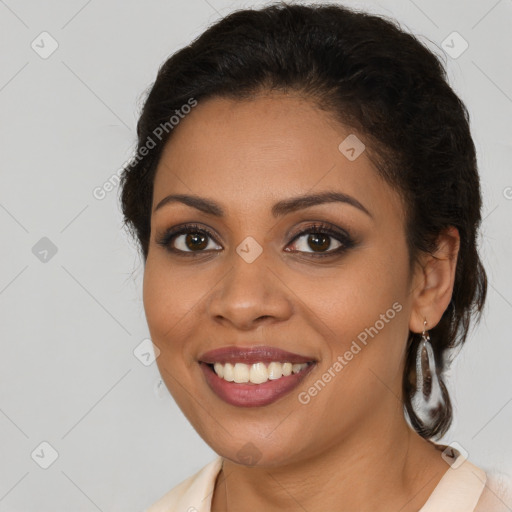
x,y
265,391
256,373
253,376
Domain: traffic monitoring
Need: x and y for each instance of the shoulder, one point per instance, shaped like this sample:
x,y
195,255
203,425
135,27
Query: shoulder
x,y
497,493
191,495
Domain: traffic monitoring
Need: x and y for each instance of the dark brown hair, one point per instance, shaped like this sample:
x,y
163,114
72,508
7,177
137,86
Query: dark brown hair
x,y
369,74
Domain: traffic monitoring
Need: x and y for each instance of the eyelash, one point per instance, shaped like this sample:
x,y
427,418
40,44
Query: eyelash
x,y
317,228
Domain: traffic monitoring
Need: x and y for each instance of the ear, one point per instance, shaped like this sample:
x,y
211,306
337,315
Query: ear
x,y
433,281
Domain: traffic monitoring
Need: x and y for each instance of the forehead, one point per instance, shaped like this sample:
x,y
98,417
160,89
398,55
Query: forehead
x,y
250,153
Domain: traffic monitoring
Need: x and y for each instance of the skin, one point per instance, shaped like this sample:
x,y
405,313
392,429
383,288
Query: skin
x,y
350,447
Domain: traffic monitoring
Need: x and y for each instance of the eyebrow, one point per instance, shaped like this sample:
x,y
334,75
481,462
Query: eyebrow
x,y
279,209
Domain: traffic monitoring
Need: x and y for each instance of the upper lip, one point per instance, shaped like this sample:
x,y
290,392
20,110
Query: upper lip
x,y
251,355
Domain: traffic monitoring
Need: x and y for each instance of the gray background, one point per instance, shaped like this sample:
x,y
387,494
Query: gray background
x,y
71,321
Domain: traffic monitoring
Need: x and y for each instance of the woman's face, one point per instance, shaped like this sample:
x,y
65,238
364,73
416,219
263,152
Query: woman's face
x,y
266,277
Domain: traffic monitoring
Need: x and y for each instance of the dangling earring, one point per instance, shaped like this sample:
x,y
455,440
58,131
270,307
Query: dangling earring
x,y
428,397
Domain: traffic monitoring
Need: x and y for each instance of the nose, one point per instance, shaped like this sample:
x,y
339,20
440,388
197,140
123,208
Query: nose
x,y
250,294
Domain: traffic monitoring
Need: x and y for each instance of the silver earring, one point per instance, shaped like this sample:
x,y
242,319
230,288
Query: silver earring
x,y
428,397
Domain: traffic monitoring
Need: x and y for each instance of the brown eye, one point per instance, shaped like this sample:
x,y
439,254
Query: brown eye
x,y
322,240
189,239
195,241
318,242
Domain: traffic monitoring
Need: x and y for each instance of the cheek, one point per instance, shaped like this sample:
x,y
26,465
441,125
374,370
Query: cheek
x,y
365,311
167,301
354,298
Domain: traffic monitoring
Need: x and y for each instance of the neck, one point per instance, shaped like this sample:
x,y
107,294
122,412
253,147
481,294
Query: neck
x,y
396,470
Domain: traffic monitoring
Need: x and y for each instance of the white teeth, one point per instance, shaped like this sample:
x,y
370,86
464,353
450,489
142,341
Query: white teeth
x,y
219,369
229,374
241,373
275,371
296,368
257,373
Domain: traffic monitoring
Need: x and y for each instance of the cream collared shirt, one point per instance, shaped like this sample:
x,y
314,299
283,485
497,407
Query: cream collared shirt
x,y
463,488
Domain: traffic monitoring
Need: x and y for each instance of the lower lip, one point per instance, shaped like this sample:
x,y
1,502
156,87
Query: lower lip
x,y
253,395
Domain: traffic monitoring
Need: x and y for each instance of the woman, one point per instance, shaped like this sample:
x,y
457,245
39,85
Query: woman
x,y
307,202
